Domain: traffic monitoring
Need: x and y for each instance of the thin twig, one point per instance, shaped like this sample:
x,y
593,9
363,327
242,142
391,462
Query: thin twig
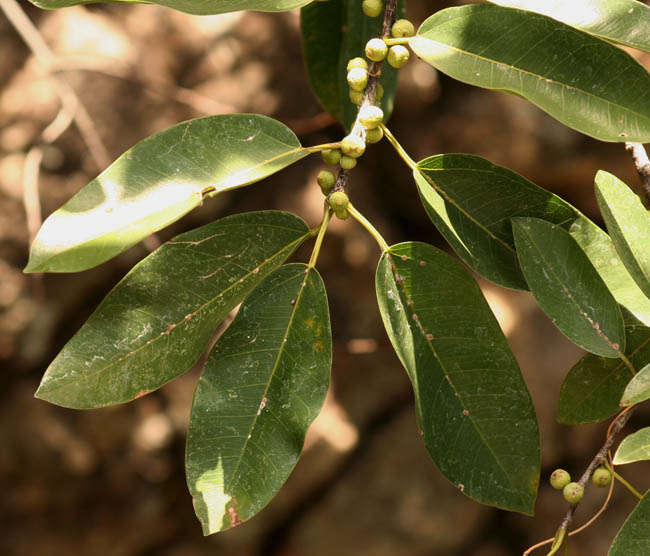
x,y
374,73
642,164
69,99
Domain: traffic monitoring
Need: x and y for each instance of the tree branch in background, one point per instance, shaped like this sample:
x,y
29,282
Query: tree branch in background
x,y
642,164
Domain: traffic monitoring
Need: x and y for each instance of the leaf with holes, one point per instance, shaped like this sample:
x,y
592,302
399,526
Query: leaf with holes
x,y
568,288
593,387
635,447
333,32
195,7
622,21
634,536
472,404
554,66
263,384
628,224
158,181
638,389
156,322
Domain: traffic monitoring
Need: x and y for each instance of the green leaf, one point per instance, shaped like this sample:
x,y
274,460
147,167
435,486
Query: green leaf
x,y
593,387
622,21
582,81
263,384
473,407
158,181
196,7
568,288
634,536
333,32
638,389
156,322
628,223
635,447
471,201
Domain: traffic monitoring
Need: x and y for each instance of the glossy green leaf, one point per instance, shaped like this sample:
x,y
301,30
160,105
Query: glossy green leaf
x,y
582,81
622,21
638,389
333,32
473,407
263,384
568,288
196,7
158,181
628,223
593,387
634,537
635,447
156,322
471,201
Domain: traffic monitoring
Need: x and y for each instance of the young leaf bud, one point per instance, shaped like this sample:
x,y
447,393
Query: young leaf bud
x,y
326,180
372,8
559,479
376,50
371,116
601,477
347,162
356,97
358,78
398,55
357,63
573,493
402,28
374,135
353,146
331,156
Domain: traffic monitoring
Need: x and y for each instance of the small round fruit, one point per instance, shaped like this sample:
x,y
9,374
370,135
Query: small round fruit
x,y
339,200
573,493
398,56
347,162
326,180
358,78
371,116
374,135
356,97
601,477
376,50
559,479
331,156
379,93
402,28
357,63
372,8
353,146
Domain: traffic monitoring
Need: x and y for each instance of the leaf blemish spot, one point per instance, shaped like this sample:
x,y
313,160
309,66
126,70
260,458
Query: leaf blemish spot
x,y
292,302
262,405
403,257
461,487
422,263
429,337
465,412
318,346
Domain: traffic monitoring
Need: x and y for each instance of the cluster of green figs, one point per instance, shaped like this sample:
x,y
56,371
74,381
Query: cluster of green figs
x,y
573,492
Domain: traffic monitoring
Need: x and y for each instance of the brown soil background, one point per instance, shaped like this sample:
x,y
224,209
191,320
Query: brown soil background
x,y
110,482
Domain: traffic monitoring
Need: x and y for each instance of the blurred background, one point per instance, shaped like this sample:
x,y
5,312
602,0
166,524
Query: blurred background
x,y
111,481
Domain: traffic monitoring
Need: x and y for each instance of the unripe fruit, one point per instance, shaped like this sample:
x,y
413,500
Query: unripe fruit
x,y
372,8
347,162
559,479
356,97
371,116
374,135
353,146
601,477
398,55
331,156
402,28
338,200
357,79
376,50
326,180
357,63
573,493
379,93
